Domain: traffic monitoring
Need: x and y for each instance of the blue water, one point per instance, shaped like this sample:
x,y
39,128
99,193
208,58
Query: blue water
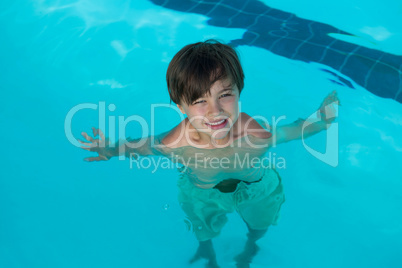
x,y
59,211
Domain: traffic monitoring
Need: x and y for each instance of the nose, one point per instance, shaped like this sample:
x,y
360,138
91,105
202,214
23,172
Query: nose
x,y
214,109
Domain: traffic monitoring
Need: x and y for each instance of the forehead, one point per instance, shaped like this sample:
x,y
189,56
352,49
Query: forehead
x,y
215,89
222,85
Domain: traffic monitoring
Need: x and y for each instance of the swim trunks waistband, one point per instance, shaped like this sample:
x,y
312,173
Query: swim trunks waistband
x,y
230,185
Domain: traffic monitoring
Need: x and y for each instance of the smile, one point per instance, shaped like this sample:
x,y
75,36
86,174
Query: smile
x,y
218,124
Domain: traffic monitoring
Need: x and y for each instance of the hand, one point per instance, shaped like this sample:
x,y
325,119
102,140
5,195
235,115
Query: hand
x,y
327,111
100,146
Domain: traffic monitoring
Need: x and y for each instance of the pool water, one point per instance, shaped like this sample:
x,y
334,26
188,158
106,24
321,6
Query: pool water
x,y
58,211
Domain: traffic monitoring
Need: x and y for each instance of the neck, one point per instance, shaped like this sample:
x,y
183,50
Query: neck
x,y
205,140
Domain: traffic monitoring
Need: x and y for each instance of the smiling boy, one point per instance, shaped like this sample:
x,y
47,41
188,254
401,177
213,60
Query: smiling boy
x,y
213,119
205,80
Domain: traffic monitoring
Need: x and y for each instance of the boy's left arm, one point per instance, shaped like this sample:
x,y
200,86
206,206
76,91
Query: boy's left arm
x,y
301,128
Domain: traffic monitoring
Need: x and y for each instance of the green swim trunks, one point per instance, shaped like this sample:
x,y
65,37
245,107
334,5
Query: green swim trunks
x,y
257,203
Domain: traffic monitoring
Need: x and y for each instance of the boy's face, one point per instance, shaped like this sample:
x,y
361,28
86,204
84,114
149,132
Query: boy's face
x,y
214,115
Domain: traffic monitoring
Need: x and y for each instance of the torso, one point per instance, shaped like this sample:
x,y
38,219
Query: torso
x,y
209,166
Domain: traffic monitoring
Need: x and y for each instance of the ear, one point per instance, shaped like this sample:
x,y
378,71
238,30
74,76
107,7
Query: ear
x,y
181,108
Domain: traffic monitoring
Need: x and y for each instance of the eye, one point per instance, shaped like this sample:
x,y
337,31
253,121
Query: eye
x,y
225,95
198,101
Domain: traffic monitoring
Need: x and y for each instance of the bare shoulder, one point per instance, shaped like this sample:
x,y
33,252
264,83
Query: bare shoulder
x,y
175,137
251,127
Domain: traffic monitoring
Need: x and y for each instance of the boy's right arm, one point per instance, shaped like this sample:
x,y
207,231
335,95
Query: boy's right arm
x,y
107,150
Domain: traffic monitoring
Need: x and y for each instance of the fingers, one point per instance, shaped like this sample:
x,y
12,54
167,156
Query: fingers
x,y
87,148
93,143
101,135
97,158
86,136
84,143
97,132
332,95
331,98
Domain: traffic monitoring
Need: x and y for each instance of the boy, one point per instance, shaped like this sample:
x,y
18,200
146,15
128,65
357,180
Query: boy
x,y
219,148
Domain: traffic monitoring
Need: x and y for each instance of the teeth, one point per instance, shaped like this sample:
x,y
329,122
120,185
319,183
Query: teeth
x,y
217,123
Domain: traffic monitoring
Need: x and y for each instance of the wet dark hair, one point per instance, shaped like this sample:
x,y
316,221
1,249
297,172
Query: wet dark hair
x,y
197,66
